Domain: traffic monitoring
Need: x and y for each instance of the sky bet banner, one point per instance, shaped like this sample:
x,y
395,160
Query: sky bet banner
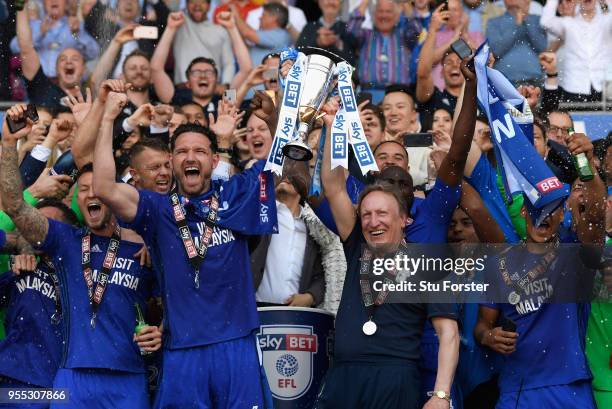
x,y
287,119
510,120
347,127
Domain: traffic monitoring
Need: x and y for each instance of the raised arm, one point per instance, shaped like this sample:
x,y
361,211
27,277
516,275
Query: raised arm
x,y
246,31
487,229
164,87
255,77
245,64
425,84
334,183
107,60
85,141
591,211
451,169
122,198
549,20
448,355
30,222
355,23
30,61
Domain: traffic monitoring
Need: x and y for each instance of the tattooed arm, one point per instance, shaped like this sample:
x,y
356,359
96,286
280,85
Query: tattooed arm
x,y
32,225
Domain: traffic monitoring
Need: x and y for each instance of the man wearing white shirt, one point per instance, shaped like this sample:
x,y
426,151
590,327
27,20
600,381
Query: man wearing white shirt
x,y
588,49
297,19
287,268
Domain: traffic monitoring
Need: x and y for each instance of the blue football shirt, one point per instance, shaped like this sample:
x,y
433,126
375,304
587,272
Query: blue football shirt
x,y
109,345
551,342
223,307
32,349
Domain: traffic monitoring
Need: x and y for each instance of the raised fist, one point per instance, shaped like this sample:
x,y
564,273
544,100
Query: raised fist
x,y
114,104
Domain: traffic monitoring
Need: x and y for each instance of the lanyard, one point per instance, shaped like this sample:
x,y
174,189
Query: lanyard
x,y
370,301
96,294
195,254
57,314
520,283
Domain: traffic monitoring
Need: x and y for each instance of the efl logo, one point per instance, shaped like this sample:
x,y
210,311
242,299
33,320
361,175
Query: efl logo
x,y
347,99
292,93
287,352
550,184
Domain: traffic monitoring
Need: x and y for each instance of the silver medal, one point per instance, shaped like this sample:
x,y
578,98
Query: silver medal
x,y
514,298
369,328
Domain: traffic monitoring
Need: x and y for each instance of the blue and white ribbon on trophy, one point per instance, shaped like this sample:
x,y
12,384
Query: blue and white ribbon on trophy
x,y
523,169
352,125
287,119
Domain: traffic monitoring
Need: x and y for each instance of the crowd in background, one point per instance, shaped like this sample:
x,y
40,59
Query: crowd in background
x,y
144,72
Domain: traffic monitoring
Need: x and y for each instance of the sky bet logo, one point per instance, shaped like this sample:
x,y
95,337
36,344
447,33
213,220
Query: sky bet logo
x,y
339,145
287,353
347,99
292,93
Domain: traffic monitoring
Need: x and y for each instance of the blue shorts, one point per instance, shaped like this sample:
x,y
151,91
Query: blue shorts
x,y
577,395
102,389
217,376
370,386
11,383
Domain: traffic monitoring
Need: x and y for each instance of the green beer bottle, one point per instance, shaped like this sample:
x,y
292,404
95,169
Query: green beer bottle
x,y
140,325
581,163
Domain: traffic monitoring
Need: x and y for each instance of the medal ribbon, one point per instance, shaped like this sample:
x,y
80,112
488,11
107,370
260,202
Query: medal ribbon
x,y
57,315
195,254
369,301
96,294
519,284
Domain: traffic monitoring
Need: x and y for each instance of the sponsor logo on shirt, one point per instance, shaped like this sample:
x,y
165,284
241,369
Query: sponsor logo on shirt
x,y
121,278
219,235
37,281
263,195
536,294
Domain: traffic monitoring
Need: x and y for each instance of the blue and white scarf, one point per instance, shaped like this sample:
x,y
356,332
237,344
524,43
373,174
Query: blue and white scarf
x,y
511,121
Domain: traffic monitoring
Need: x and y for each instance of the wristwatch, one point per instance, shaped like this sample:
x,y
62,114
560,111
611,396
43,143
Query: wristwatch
x,y
442,395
